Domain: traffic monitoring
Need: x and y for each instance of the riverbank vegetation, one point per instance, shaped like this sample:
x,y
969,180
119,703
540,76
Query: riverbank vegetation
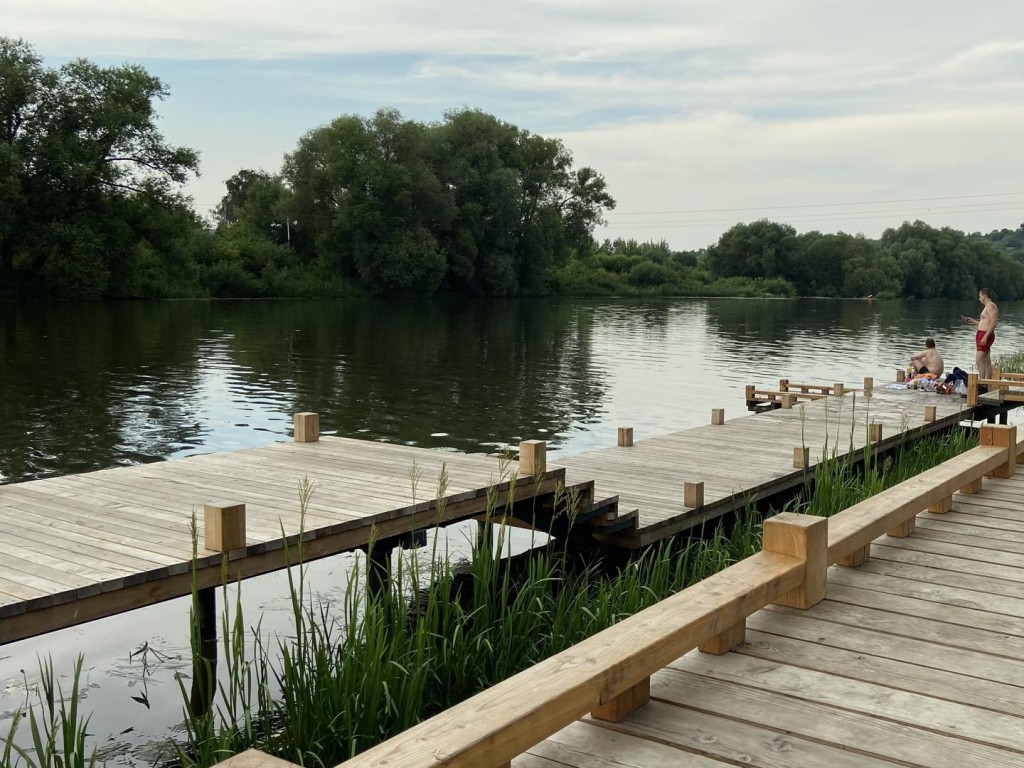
x,y
350,676
91,206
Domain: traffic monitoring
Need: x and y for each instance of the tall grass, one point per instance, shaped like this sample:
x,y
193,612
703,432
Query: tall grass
x,y
351,675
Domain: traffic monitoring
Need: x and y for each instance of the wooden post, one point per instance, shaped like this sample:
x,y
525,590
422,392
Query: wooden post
x,y
997,373
307,427
838,389
901,375
749,392
972,390
801,457
204,659
856,557
804,537
619,706
533,457
929,413
904,529
943,506
625,437
223,527
378,566
875,432
726,640
718,416
869,386
693,494
787,401
783,385
972,487
1004,437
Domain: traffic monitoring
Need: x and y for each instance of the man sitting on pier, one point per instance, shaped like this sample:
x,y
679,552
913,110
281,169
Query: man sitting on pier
x,y
928,361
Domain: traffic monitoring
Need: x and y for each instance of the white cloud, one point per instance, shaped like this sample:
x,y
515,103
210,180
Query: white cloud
x,y
682,105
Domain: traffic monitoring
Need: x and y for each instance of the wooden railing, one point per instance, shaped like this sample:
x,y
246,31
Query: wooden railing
x,y
609,674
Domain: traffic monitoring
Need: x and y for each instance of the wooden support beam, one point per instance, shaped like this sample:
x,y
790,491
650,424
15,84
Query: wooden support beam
x,y
787,401
856,558
307,427
223,527
942,507
869,386
838,389
930,412
749,391
972,390
693,494
801,457
875,432
972,487
726,640
997,373
904,529
717,416
783,385
625,437
804,537
617,707
1000,435
901,375
533,458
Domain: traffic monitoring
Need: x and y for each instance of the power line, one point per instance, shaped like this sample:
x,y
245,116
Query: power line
x,y
813,205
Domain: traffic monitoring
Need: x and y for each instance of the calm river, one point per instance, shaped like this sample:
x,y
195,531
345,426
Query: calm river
x,y
85,387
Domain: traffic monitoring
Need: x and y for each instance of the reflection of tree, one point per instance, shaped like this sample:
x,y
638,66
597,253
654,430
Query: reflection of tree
x,y
483,372
90,386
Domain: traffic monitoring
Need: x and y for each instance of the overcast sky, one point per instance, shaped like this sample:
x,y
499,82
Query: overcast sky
x,y
828,115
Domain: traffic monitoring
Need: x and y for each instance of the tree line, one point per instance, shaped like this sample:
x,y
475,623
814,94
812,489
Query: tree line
x,y
91,206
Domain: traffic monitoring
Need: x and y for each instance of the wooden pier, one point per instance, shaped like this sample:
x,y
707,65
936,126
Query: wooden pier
x,y
890,634
83,547
682,480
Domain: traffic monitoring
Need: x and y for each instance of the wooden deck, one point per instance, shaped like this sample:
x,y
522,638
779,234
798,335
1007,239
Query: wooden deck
x,y
749,457
915,658
85,546
82,547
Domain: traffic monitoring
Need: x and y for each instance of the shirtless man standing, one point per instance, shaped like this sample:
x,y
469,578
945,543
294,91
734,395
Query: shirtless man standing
x,y
986,334
928,361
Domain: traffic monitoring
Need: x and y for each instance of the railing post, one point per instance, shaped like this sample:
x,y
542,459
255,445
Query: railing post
x,y
869,386
625,437
726,640
629,700
718,416
856,557
972,390
930,412
801,457
783,385
787,401
307,427
223,527
804,537
533,458
693,494
838,389
901,375
1002,436
875,432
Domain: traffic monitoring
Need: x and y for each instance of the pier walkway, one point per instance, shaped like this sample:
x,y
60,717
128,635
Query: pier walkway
x,y
748,458
82,547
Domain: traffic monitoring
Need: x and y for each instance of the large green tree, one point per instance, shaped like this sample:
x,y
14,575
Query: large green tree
x,y
80,154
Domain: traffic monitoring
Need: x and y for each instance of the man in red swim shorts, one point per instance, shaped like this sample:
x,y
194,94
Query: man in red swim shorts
x,y
986,334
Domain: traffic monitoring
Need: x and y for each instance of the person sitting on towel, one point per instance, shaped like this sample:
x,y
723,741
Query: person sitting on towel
x,y
927,361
